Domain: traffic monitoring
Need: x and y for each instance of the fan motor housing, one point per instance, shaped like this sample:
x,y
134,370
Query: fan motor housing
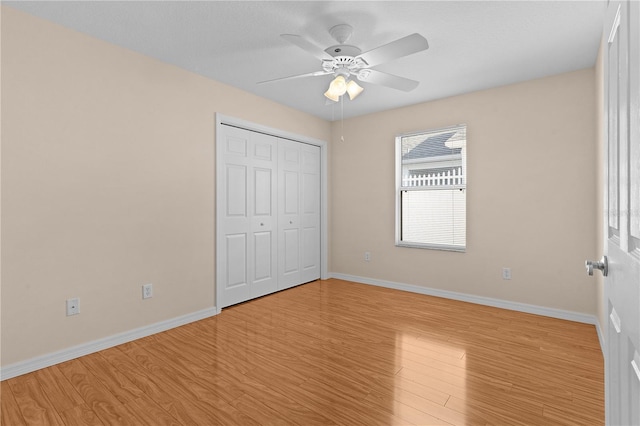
x,y
343,50
344,58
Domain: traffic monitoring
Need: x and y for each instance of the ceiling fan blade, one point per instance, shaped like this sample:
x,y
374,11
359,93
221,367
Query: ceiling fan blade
x,y
307,46
388,80
396,49
291,77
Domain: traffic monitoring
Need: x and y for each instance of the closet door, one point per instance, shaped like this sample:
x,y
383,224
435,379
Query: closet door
x,y
246,234
298,213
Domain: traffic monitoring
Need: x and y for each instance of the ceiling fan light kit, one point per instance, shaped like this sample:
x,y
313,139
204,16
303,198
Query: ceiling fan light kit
x,y
346,61
339,86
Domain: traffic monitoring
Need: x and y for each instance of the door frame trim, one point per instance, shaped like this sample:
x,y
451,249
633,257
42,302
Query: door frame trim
x,y
222,119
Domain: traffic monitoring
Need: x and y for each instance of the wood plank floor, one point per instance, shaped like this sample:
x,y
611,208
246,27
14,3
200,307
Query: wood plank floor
x,y
330,352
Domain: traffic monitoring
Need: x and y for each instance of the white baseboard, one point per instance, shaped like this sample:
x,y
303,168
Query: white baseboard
x,y
480,300
48,360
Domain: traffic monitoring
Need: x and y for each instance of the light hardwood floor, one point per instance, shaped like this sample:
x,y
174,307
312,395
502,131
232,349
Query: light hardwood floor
x,y
330,352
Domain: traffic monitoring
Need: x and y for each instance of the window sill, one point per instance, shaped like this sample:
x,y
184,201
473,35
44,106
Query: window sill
x,y
441,247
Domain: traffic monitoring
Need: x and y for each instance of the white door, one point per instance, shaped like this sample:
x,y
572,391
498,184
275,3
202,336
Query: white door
x,y
622,227
247,208
298,213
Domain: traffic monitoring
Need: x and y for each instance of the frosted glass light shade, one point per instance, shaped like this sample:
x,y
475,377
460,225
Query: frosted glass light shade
x,y
353,89
332,96
337,88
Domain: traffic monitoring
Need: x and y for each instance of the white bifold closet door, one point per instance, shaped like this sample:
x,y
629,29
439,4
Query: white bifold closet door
x,y
298,213
247,241
268,234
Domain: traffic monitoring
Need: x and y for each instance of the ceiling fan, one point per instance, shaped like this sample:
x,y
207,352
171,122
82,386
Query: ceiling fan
x,y
346,62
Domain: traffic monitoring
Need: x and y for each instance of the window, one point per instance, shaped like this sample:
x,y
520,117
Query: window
x,y
431,183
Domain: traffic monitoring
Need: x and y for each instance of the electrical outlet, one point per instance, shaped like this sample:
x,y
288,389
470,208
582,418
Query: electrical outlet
x,y
367,256
73,306
147,291
506,273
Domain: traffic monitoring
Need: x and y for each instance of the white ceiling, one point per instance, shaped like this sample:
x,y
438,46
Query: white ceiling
x,y
474,45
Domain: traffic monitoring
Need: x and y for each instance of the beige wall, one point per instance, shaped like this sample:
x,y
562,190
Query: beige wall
x,y
532,179
107,184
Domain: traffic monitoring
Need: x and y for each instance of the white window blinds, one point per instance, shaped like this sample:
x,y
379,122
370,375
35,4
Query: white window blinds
x,y
431,189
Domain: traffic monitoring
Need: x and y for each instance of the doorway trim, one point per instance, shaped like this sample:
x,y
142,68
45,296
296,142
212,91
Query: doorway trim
x,y
222,119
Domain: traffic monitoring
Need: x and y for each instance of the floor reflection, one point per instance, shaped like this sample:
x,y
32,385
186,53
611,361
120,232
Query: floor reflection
x,y
431,372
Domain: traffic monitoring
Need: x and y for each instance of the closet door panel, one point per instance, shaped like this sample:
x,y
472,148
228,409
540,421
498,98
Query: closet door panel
x,y
288,214
263,225
236,261
291,251
263,256
263,194
298,214
263,265
236,191
246,231
310,213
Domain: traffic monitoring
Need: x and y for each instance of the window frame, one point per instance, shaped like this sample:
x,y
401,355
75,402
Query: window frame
x,y
399,190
